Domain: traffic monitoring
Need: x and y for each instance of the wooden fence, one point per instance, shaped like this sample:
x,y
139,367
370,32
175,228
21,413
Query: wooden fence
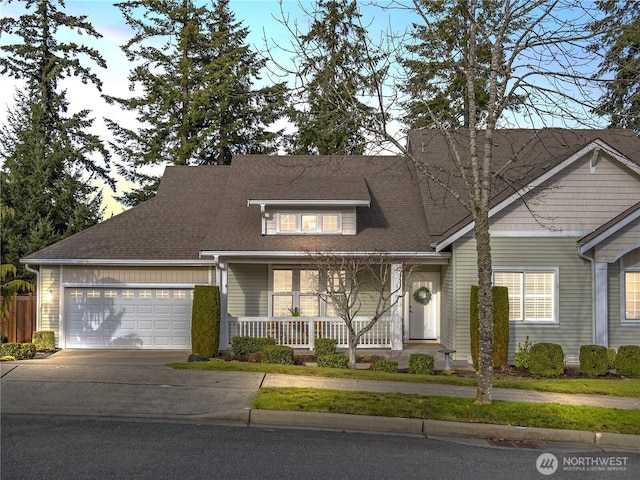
x,y
21,324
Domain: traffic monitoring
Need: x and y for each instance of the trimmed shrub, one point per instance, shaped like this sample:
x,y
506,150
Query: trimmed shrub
x,y
7,358
593,360
45,341
522,357
336,360
205,320
324,346
390,366
611,358
628,361
248,345
19,351
279,354
421,364
546,359
500,326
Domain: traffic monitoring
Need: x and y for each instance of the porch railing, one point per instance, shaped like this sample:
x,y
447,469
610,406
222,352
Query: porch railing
x,y
300,332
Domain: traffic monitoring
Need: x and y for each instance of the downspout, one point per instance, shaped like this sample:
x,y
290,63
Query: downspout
x,y
38,289
592,261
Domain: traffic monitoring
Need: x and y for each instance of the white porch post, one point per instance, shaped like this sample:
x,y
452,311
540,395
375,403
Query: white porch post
x,y
396,309
221,281
600,327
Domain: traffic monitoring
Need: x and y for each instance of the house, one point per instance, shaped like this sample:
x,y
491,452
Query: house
x,y
565,228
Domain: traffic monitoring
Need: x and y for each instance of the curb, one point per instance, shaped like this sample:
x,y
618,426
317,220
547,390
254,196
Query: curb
x,y
414,426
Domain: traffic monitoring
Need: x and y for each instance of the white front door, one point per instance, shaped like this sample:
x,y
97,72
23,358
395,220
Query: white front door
x,y
424,319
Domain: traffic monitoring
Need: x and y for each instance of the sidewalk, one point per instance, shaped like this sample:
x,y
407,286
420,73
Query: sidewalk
x,y
139,385
434,428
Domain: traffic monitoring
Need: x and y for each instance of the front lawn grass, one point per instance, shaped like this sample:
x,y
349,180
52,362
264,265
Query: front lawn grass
x,y
592,386
544,415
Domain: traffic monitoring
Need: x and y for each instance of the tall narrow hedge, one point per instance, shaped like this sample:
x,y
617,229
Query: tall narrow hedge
x,y
205,320
500,326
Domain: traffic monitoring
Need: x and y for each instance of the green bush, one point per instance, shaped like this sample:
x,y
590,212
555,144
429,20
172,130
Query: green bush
x,y
279,354
500,326
324,346
205,320
546,359
522,356
593,360
20,351
628,361
611,358
336,360
45,341
390,366
248,345
421,364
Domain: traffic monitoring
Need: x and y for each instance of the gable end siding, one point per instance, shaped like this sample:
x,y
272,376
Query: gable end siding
x,y
567,196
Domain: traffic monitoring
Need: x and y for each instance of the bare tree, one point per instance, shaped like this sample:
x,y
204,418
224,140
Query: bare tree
x,y
357,286
533,69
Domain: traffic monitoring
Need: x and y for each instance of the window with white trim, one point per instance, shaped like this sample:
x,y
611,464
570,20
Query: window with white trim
x,y
309,223
299,288
533,293
631,288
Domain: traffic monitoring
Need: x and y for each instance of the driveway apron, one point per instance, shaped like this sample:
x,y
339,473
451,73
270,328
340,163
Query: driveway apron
x,y
125,383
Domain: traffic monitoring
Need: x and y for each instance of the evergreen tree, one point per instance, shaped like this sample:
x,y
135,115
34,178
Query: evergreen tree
x,y
198,104
619,33
49,156
436,86
330,71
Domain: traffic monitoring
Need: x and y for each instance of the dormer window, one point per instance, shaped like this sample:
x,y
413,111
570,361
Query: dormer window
x,y
309,222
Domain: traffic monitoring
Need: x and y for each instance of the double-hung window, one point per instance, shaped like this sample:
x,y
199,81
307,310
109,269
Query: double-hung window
x,y
631,289
533,293
295,289
305,291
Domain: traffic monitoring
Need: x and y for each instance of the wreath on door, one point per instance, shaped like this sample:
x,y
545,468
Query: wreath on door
x,y
422,295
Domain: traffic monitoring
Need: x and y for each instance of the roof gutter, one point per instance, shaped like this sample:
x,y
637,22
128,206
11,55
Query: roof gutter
x,y
299,254
110,262
311,203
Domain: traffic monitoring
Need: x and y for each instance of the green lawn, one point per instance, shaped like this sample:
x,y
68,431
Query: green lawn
x,y
594,386
544,415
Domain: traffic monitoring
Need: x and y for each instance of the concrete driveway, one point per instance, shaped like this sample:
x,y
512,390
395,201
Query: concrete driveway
x,y
125,383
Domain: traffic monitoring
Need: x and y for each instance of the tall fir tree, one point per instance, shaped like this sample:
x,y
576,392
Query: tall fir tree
x,y
618,33
436,87
328,114
50,156
198,104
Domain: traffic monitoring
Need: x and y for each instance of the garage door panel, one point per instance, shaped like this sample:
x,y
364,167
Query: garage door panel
x,y
127,318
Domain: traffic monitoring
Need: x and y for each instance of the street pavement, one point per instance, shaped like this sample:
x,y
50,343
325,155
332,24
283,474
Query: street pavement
x,y
138,384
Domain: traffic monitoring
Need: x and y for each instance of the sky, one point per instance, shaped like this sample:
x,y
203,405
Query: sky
x,y
260,16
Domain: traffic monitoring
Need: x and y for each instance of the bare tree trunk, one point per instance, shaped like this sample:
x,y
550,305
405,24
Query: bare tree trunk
x,y
353,344
485,308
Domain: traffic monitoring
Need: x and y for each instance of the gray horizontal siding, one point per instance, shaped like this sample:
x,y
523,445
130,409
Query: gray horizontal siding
x,y
137,275
571,194
575,311
50,300
248,287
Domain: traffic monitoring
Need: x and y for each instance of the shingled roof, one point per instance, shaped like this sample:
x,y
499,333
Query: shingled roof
x,y
531,153
206,208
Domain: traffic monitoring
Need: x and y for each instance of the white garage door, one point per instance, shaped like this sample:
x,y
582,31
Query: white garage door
x,y
128,318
